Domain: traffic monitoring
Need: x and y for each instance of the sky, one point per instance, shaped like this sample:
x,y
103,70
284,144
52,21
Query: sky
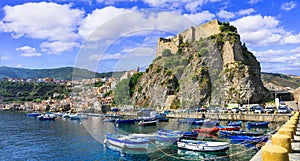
x,y
114,35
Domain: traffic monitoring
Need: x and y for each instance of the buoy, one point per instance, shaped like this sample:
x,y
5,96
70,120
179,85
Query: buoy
x,y
288,132
274,153
282,141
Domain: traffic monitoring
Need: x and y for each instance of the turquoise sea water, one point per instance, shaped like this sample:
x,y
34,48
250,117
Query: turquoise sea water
x,y
26,138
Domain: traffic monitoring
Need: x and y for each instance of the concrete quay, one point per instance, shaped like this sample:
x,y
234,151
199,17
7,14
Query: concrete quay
x,y
284,154
234,116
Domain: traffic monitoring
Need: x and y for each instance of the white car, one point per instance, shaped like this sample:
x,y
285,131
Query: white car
x,y
283,109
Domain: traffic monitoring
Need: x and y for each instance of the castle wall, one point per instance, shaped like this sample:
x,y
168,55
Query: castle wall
x,y
189,35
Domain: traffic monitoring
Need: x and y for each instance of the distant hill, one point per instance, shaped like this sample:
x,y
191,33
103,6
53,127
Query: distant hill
x,y
280,80
64,73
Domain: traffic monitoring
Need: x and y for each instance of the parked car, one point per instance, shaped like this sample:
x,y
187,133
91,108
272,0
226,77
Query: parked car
x,y
223,110
243,109
259,109
283,109
235,110
270,109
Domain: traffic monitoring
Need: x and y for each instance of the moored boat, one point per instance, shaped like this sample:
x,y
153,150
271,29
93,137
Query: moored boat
x,y
206,130
78,116
125,121
127,141
223,133
248,139
229,128
188,134
35,114
148,122
46,117
203,146
257,124
235,123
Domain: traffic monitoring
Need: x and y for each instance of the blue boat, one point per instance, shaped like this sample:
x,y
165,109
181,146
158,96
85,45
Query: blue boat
x,y
32,114
187,134
212,123
235,123
127,121
227,134
248,139
46,117
193,121
257,124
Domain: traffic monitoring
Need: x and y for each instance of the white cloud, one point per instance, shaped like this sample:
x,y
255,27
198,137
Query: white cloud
x,y
190,5
57,47
254,1
28,51
130,22
42,21
200,17
279,61
292,39
287,6
19,65
259,30
225,14
246,11
97,18
46,21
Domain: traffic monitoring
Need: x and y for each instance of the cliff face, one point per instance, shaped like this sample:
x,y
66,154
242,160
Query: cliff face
x,y
215,69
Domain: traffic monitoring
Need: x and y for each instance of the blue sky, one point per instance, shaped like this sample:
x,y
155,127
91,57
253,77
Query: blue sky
x,y
107,35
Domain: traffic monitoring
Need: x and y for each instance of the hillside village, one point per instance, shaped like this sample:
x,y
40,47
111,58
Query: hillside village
x,y
85,94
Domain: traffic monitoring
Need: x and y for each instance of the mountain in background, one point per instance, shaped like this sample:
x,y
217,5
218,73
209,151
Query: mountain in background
x,y
64,73
275,81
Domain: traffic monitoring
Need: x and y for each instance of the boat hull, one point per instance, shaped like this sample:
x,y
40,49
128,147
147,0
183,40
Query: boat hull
x,y
127,141
202,146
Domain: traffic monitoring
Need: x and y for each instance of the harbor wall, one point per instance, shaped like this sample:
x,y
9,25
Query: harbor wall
x,y
225,116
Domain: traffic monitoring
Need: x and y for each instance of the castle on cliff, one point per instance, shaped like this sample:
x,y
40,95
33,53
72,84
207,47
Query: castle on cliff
x,y
189,35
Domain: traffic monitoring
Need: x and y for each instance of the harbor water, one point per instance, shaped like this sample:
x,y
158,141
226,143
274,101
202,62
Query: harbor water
x,y
27,138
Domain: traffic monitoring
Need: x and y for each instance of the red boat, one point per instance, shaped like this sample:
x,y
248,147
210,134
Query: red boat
x,y
206,130
229,128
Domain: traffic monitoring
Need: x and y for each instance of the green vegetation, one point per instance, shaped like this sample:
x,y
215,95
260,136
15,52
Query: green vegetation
x,y
25,91
202,52
121,93
133,81
166,53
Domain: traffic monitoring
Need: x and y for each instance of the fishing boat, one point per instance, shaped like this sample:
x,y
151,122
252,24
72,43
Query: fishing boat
x,y
193,121
127,141
78,116
229,128
148,122
35,114
126,121
203,146
211,123
172,137
46,117
248,139
151,136
257,124
225,134
206,130
188,134
66,115
235,123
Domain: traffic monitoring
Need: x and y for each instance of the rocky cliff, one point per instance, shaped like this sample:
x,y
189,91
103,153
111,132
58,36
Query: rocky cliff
x,y
212,69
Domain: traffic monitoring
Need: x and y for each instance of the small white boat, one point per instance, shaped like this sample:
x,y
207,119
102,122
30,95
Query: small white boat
x,y
151,122
204,146
125,141
78,116
148,136
46,117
